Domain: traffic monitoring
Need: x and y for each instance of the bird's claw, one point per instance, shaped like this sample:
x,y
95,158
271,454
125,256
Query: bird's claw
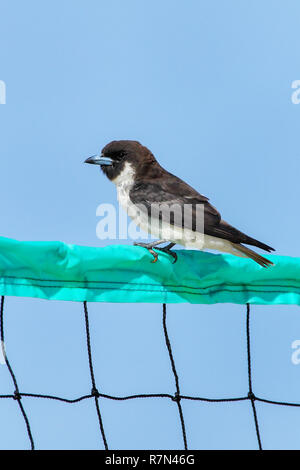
x,y
169,252
165,249
154,254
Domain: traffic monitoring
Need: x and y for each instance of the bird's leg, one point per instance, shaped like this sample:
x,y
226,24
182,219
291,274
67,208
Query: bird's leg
x,y
167,249
151,245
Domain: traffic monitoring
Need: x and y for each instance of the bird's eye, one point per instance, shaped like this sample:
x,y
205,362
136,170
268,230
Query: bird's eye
x,y
120,155
117,157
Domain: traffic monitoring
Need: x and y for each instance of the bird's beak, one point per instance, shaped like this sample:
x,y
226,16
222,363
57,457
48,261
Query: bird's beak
x,y
99,160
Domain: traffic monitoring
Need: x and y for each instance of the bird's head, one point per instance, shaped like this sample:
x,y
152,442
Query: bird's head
x,y
118,153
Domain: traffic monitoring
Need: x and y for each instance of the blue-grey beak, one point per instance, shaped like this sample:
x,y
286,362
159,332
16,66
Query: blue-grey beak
x,y
99,160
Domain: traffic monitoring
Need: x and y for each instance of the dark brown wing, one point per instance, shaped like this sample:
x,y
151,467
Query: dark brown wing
x,y
175,193
172,191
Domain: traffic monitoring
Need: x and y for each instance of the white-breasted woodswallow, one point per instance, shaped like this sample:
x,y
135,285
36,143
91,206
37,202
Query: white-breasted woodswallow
x,y
142,184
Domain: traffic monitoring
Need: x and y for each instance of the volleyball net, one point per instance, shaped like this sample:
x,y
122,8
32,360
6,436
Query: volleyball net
x,y
122,274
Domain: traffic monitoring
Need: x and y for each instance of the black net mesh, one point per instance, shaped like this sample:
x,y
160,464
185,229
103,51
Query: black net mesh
x,y
95,395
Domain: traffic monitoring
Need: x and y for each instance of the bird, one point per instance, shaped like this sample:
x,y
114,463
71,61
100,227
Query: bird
x,y
143,184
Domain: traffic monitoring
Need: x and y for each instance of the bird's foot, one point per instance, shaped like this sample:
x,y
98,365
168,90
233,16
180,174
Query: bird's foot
x,y
149,247
165,249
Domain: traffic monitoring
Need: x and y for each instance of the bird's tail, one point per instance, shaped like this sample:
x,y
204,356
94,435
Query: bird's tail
x,y
266,263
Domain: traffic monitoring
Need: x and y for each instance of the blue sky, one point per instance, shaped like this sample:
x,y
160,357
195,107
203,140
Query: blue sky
x,y
206,85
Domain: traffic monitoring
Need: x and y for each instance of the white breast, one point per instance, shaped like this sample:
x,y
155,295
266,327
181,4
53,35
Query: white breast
x,y
124,182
